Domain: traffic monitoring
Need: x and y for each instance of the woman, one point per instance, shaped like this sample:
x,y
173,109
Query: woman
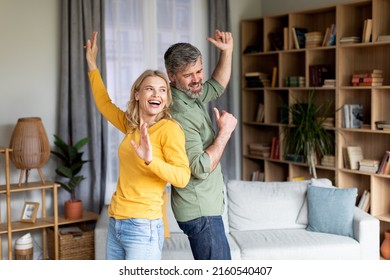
x,y
151,154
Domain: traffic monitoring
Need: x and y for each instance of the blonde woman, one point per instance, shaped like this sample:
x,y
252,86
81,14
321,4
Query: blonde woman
x,y
151,154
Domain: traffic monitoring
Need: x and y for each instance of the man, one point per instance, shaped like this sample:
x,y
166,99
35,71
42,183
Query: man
x,y
198,207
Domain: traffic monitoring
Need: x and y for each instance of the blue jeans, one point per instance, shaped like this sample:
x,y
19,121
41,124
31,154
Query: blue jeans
x,y
207,238
134,239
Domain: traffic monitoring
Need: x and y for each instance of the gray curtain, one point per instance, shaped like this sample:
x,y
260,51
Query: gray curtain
x,y
219,18
77,114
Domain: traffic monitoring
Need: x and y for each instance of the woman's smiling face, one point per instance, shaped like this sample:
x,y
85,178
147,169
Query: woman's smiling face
x,y
152,97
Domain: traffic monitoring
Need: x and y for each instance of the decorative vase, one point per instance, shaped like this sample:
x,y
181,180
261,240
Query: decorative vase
x,y
30,146
73,209
385,246
24,248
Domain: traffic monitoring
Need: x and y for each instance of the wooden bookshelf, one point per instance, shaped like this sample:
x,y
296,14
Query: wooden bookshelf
x,y
343,60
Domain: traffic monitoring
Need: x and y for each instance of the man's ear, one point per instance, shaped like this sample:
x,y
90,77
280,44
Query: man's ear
x,y
171,77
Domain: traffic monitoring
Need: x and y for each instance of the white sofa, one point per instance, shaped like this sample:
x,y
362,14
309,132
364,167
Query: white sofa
x,y
268,221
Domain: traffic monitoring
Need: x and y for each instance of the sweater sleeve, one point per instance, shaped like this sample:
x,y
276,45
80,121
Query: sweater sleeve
x,y
174,168
104,104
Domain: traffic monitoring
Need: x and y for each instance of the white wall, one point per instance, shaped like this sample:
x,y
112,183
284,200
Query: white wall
x,y
29,82
29,65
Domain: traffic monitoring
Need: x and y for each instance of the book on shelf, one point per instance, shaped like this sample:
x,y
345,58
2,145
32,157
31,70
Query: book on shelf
x,y
352,115
350,40
298,178
329,38
329,83
384,166
328,161
367,31
367,202
352,155
285,38
260,113
369,165
373,77
276,40
274,148
298,34
364,202
383,38
259,149
361,201
319,73
313,39
257,79
295,81
257,175
274,76
384,125
356,115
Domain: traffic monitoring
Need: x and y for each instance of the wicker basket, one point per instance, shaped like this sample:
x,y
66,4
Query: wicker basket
x,y
73,246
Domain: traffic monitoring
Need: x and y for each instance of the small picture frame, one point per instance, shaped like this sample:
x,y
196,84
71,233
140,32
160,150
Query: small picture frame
x,y
29,213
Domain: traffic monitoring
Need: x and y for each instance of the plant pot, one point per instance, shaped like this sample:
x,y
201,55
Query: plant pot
x,y
385,246
73,209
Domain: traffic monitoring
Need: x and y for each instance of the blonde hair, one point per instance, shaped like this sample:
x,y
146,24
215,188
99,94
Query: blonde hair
x,y
132,113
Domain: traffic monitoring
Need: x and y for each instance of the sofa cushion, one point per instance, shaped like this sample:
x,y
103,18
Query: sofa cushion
x,y
323,182
330,210
264,205
177,247
295,244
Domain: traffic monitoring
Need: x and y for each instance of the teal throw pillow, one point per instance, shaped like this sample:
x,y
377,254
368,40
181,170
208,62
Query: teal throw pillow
x,y
330,210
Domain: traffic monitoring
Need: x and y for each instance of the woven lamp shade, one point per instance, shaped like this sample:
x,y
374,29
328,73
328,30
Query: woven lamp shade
x,y
30,146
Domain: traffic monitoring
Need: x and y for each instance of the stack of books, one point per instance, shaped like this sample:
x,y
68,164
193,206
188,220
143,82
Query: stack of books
x,y
350,40
384,125
257,79
295,81
259,149
313,39
329,83
369,165
368,78
328,161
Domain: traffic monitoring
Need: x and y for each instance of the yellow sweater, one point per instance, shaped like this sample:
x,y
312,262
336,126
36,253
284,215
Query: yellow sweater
x,y
140,187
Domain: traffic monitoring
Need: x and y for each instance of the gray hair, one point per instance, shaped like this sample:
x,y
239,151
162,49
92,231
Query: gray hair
x,y
179,56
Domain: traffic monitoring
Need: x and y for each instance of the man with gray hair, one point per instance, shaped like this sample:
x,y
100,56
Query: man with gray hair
x,y
198,207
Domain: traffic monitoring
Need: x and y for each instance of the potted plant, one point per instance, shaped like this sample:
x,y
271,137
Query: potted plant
x,y
306,136
71,164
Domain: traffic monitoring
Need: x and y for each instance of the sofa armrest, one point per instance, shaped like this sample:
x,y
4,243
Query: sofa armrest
x,y
101,230
366,232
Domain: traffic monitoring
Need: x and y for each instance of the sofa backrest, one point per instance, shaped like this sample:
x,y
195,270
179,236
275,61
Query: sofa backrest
x,y
174,227
265,205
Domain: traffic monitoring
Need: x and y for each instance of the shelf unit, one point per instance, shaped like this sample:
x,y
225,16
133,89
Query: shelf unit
x,y
343,60
43,223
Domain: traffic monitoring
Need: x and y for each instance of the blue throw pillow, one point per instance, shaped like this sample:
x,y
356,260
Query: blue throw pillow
x,y
330,210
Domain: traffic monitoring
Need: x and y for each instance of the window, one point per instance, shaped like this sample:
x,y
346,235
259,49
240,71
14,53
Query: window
x,y
138,32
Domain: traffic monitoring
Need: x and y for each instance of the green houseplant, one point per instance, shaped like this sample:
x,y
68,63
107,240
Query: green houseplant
x,y
306,136
72,162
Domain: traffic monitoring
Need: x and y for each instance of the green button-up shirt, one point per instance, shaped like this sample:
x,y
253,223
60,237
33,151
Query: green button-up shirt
x,y
203,196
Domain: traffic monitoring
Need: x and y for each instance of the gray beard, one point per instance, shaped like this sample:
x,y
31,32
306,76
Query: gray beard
x,y
190,93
